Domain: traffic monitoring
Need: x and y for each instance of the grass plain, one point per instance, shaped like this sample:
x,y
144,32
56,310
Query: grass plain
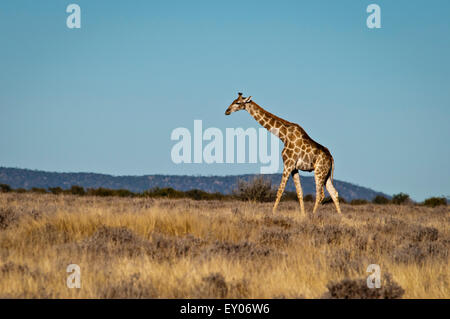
x,y
181,248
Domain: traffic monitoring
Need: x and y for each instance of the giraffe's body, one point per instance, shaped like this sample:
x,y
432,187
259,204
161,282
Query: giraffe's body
x,y
300,153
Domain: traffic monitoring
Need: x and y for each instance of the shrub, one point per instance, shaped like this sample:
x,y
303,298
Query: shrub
x,y
214,286
39,190
76,190
435,201
132,287
309,198
55,190
123,193
357,289
259,190
380,200
100,192
290,196
5,188
20,190
329,200
8,217
358,202
198,194
420,252
168,192
400,198
109,192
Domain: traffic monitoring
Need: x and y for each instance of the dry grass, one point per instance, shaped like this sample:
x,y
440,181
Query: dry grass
x,y
143,248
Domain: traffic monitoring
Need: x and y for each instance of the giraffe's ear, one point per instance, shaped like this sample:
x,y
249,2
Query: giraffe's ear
x,y
249,99
239,93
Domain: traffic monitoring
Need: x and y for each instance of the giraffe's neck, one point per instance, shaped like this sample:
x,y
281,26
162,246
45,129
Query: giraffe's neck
x,y
268,120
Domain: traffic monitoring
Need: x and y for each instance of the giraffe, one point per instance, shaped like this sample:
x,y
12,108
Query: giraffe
x,y
300,152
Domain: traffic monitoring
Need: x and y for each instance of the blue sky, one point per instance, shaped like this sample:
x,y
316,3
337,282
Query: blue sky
x,y
105,98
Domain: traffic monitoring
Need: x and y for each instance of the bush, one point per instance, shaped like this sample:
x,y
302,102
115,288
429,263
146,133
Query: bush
x,y
198,194
109,192
38,190
358,202
55,190
124,193
168,192
329,200
435,201
380,200
8,217
309,198
100,192
20,190
258,190
292,196
400,198
76,190
5,188
357,289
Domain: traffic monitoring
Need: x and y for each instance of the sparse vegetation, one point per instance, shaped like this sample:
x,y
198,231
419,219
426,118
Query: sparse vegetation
x,y
38,190
400,198
5,188
358,202
357,289
257,190
56,190
155,247
380,200
435,201
23,178
77,190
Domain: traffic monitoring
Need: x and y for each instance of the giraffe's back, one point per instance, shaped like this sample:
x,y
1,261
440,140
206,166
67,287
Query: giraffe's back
x,y
307,153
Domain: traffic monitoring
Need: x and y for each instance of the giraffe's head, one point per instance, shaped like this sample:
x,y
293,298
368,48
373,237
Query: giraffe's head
x,y
238,104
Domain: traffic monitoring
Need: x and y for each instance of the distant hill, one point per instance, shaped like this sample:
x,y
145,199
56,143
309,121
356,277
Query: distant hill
x,y
25,178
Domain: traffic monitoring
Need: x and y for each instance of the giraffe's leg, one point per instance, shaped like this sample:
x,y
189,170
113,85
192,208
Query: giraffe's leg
x,y
298,187
320,181
284,180
334,194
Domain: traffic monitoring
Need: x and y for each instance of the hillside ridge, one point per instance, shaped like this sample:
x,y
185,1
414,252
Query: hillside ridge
x,y
27,178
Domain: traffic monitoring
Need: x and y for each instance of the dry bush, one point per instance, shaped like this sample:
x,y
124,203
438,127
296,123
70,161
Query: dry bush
x,y
8,217
333,234
275,236
166,247
214,285
281,221
239,250
258,189
357,289
346,262
418,253
131,287
113,241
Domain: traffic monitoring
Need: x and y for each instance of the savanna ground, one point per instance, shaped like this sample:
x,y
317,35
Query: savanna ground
x,y
162,248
